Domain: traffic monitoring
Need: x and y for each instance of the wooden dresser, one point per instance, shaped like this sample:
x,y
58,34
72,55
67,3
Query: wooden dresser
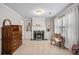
x,y
11,37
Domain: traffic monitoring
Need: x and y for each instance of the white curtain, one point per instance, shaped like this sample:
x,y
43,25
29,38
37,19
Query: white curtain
x,y
65,29
58,25
70,25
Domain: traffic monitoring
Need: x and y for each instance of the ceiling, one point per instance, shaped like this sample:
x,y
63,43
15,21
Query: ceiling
x,y
27,9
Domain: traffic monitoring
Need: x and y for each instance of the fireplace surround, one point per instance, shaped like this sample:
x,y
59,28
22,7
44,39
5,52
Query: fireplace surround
x,y
38,35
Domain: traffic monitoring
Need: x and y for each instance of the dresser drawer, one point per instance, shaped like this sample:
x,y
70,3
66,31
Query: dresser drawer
x,y
15,46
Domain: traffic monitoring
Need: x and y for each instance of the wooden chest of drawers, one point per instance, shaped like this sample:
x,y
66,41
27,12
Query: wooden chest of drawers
x,y
11,38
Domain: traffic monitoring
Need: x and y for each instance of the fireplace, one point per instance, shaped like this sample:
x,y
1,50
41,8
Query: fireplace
x,y
38,35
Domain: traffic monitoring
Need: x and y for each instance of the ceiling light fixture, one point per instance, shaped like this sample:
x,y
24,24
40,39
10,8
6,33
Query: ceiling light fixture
x,y
39,12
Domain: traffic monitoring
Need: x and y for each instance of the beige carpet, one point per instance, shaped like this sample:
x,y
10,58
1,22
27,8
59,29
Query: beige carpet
x,y
40,48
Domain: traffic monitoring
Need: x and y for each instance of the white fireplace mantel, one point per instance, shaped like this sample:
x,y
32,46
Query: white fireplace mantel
x,y
39,24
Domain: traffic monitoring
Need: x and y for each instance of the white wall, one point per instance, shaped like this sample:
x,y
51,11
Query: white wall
x,y
44,24
15,18
27,34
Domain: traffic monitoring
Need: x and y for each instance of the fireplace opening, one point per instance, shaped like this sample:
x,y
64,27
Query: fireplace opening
x,y
38,35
